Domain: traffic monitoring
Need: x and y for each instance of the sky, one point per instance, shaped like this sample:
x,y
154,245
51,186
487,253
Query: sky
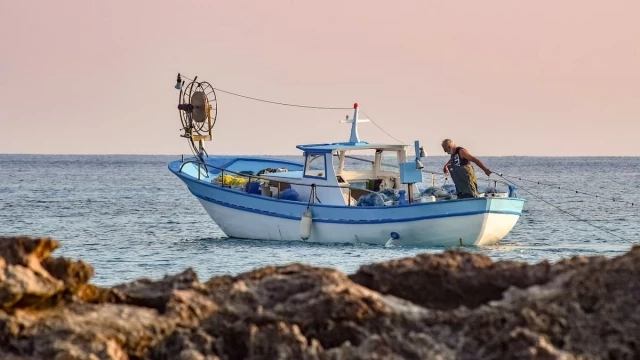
x,y
503,77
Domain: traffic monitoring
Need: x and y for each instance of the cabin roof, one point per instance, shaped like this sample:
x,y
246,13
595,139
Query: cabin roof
x,y
327,148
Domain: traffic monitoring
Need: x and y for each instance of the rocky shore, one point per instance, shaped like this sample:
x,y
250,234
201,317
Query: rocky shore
x,y
453,305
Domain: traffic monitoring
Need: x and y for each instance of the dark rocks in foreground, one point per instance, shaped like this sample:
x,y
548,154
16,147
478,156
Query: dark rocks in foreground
x,y
454,305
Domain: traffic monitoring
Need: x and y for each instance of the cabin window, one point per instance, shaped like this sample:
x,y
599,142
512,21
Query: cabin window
x,y
315,166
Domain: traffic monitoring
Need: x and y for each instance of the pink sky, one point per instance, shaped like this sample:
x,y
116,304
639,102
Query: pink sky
x,y
503,77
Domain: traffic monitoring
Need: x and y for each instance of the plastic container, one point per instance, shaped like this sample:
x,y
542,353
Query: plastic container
x,y
254,187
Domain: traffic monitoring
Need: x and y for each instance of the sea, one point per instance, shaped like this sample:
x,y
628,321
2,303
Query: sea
x,y
130,217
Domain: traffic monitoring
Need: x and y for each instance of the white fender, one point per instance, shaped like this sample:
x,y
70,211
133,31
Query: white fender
x,y
305,225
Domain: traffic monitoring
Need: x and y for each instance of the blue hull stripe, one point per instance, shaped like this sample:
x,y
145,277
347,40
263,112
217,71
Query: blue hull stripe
x,y
352,222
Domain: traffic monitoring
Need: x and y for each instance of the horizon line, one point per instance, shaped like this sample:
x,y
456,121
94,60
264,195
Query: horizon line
x,y
271,155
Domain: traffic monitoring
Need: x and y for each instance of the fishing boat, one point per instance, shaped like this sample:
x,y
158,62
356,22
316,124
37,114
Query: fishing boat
x,y
322,199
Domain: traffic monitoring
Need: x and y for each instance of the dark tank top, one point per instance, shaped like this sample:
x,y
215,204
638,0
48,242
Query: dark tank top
x,y
457,160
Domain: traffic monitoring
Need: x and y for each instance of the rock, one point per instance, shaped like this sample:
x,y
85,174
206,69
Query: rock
x,y
457,278
22,287
73,274
454,305
27,252
30,278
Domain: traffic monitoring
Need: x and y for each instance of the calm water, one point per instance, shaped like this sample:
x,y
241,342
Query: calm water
x,y
129,217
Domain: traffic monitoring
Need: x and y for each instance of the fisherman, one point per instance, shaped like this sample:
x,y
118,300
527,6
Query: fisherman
x,y
461,170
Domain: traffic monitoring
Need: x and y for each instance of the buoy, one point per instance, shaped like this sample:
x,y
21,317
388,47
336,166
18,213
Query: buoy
x,y
394,236
305,225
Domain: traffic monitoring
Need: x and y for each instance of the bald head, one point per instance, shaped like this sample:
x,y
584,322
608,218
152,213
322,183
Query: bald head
x,y
448,145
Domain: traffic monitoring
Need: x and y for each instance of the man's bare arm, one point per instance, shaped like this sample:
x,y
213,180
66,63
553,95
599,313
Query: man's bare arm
x,y
465,154
445,169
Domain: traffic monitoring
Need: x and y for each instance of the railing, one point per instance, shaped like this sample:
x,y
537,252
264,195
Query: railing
x,y
249,177
192,162
313,196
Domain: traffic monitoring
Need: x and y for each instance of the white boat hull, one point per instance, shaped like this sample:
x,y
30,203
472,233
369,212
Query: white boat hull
x,y
469,230
245,215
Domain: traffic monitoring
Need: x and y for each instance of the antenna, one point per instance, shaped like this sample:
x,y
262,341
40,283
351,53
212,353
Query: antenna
x,y
354,138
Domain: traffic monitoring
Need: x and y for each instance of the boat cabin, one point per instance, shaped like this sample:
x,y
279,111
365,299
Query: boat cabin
x,y
340,178
325,166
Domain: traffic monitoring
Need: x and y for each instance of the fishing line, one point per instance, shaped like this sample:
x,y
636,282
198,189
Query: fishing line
x,y
565,189
560,209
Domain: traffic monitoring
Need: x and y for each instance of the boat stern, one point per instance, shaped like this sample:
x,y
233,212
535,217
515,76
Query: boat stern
x,y
501,216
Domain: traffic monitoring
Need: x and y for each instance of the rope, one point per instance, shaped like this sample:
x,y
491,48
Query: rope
x,y
303,106
561,188
311,195
285,104
276,102
381,129
562,210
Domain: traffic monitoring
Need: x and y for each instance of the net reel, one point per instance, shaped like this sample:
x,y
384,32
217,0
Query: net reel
x,y
198,108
